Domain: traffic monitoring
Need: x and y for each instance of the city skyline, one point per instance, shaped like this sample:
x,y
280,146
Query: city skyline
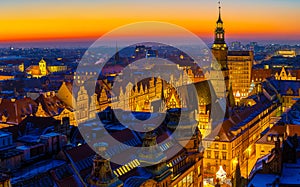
x,y
148,103
46,21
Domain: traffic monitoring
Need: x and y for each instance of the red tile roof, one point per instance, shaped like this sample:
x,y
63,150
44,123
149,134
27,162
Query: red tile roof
x,y
65,176
35,70
17,109
51,104
290,130
80,152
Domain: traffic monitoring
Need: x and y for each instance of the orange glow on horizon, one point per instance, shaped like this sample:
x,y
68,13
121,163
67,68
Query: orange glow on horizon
x,y
36,22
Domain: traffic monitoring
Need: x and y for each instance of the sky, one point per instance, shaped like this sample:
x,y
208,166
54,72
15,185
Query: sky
x,y
34,20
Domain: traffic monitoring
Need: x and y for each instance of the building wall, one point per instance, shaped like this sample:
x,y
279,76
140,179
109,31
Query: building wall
x,y
12,162
288,101
219,80
57,68
5,180
191,177
258,75
139,99
284,75
239,149
82,105
240,66
263,149
81,76
65,95
67,113
216,154
286,53
6,77
5,139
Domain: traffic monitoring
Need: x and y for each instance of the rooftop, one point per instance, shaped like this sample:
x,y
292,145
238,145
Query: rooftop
x,y
262,180
4,134
290,174
239,53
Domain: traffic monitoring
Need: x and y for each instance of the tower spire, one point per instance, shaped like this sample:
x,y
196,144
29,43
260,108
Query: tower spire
x,y
219,32
219,50
220,19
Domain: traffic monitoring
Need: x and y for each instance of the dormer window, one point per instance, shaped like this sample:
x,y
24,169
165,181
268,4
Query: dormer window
x,y
290,91
269,138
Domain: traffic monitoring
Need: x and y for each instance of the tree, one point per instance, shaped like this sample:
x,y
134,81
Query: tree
x,y
236,182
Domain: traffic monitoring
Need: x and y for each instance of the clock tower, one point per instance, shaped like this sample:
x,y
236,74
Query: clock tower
x,y
219,51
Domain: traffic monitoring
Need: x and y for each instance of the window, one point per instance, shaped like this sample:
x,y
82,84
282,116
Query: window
x,y
189,179
224,156
180,184
208,144
224,146
216,154
208,154
216,146
184,182
208,166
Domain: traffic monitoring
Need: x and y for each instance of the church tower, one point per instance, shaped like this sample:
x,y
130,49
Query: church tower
x,y
43,67
220,50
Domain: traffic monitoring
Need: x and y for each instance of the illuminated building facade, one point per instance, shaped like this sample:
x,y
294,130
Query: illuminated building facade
x,y
184,168
138,97
280,133
146,96
240,68
259,75
288,90
5,180
219,50
286,53
79,100
284,75
233,141
81,76
38,71
49,105
4,76
280,167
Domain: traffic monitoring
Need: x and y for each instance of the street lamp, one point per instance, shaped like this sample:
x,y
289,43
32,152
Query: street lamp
x,y
234,163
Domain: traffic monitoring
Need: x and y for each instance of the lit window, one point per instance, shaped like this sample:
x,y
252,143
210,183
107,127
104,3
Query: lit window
x,y
224,156
208,154
216,155
224,146
216,146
